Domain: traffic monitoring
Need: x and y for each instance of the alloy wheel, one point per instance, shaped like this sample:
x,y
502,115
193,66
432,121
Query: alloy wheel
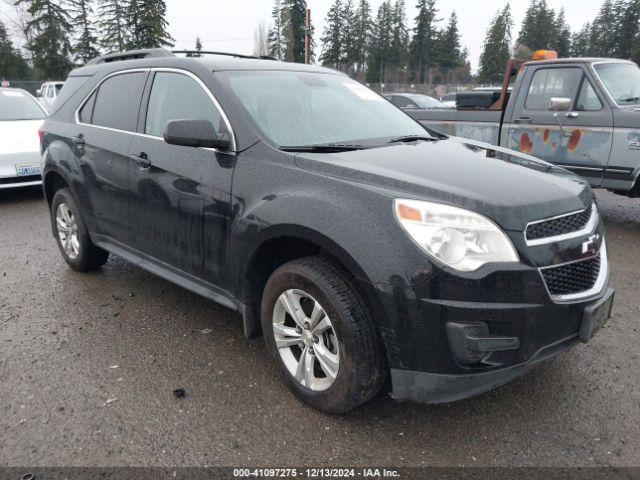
x,y
306,340
67,227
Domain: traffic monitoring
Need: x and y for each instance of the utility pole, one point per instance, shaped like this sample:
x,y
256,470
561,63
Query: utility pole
x,y
307,38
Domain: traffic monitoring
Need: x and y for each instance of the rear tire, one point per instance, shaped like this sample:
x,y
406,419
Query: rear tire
x,y
340,348
72,236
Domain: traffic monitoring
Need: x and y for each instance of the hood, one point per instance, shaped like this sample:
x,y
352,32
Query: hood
x,y
19,136
512,189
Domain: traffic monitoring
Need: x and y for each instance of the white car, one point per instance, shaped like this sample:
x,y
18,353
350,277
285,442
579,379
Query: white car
x,y
48,92
21,117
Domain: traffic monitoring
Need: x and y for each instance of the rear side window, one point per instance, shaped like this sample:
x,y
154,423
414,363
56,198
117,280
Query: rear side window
x,y
66,90
118,101
178,97
86,112
548,83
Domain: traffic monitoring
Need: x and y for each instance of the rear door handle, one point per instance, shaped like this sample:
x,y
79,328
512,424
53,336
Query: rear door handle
x,y
141,160
522,120
78,140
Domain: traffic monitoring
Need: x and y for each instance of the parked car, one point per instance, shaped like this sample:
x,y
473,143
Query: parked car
x,y
20,118
448,100
48,92
357,243
413,101
581,114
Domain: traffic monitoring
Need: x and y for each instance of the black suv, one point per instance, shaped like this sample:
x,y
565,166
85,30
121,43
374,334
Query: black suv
x,y
361,245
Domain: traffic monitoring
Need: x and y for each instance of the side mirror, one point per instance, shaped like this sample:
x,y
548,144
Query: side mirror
x,y
559,104
195,133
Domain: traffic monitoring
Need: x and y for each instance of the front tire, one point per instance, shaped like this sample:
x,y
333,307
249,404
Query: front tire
x,y
319,332
72,236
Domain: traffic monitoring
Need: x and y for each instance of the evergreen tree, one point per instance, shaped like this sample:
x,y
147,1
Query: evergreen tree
x,y
601,41
348,36
496,51
381,44
148,24
450,55
332,38
580,41
563,35
276,37
12,65
198,45
400,37
49,30
113,24
362,27
538,27
84,47
294,29
626,30
424,49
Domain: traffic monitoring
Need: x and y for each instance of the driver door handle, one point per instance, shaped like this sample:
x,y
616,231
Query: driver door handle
x,y
572,115
141,160
522,120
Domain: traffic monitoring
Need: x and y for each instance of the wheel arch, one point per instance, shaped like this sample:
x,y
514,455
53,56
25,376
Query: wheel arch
x,y
277,246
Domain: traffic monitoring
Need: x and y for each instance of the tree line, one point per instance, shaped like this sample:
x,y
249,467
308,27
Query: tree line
x,y
61,34
615,33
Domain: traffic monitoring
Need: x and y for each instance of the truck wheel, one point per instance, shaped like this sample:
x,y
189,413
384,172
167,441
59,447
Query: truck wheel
x,y
317,329
71,233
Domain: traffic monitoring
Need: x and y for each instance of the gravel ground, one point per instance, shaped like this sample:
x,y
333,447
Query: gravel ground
x,y
88,363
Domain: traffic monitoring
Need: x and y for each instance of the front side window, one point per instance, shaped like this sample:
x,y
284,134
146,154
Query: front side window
x,y
588,101
175,96
18,105
622,81
305,109
118,101
551,83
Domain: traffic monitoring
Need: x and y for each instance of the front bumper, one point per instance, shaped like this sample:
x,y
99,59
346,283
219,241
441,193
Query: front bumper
x,y
422,387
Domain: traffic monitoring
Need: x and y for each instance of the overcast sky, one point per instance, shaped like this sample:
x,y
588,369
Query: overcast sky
x,y
229,25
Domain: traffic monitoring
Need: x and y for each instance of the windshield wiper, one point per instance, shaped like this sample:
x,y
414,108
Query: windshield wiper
x,y
630,99
413,138
323,148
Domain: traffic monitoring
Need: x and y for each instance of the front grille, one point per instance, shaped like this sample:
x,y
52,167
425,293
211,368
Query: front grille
x,y
26,179
559,226
573,277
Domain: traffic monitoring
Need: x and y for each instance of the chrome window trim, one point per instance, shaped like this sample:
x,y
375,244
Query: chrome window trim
x,y
587,229
598,286
213,99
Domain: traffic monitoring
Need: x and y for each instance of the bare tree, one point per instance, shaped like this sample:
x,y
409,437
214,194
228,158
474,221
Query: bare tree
x,y
261,40
17,21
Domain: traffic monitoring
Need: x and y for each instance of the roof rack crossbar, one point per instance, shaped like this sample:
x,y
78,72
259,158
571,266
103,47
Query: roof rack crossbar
x,y
131,55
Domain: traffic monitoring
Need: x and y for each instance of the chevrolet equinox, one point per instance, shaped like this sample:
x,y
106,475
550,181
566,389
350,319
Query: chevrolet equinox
x,y
364,247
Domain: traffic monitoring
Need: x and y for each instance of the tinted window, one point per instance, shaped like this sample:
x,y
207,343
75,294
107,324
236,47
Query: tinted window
x,y
118,101
588,100
18,105
70,87
548,83
175,96
87,109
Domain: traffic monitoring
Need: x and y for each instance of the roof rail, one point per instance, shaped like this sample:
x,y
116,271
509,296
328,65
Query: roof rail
x,y
131,55
198,53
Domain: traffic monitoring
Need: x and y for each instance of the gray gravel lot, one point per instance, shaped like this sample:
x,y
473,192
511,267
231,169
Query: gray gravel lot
x,y
88,363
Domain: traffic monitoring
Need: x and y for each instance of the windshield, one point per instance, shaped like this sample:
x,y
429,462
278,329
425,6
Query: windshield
x,y
424,101
622,81
17,105
305,109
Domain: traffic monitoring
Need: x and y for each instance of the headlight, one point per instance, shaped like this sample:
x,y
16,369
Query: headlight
x,y
459,238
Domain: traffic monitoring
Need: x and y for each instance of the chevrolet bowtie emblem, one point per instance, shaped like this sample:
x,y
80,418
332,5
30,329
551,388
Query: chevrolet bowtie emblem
x,y
586,246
